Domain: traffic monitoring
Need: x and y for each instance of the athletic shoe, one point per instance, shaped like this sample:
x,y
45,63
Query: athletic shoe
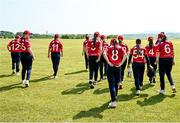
x,y
90,81
27,83
112,105
120,86
138,92
17,73
87,70
95,83
173,88
152,83
55,77
161,92
23,82
92,86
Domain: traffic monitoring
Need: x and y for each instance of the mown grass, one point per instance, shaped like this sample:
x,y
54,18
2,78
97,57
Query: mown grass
x,y
69,98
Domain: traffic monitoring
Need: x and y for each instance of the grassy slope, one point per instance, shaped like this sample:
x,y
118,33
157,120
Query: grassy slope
x,y
69,99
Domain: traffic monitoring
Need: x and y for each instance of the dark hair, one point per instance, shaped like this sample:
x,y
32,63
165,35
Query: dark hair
x,y
164,38
114,44
138,42
87,36
94,40
151,44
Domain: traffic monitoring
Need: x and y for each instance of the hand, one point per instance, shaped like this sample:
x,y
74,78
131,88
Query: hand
x,y
110,64
155,63
173,62
119,65
48,56
33,58
98,60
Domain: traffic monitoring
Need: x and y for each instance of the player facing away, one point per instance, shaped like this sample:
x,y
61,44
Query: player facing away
x,y
166,61
84,51
94,51
139,57
115,57
152,52
15,49
126,50
103,63
27,57
56,50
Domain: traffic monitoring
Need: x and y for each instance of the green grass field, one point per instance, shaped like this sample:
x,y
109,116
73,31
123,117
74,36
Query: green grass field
x,y
69,98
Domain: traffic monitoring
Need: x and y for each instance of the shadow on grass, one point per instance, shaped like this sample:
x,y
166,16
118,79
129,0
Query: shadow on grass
x,y
132,95
154,99
94,112
5,75
12,86
42,79
101,91
146,86
79,89
76,72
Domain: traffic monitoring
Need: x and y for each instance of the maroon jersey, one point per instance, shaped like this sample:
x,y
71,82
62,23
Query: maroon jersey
x,y
166,49
25,44
94,51
139,58
15,45
56,46
115,56
85,43
151,52
104,45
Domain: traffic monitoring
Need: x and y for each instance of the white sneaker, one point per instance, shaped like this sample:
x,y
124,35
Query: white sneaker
x,y
27,83
138,92
140,88
23,82
161,92
173,88
55,77
152,83
112,105
17,73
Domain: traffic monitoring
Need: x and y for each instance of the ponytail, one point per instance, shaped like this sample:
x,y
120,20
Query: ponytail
x,y
151,44
138,43
94,40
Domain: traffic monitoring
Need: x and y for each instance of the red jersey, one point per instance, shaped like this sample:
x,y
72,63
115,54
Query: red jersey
x,y
25,44
151,52
56,46
85,43
138,58
94,51
104,45
124,47
15,46
115,56
166,49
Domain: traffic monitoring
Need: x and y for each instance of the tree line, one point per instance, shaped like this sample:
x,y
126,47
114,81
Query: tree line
x,y
8,34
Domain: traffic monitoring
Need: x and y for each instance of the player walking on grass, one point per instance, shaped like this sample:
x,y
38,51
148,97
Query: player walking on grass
x,y
84,51
27,57
115,57
94,51
126,50
15,49
152,52
139,56
166,61
103,63
56,50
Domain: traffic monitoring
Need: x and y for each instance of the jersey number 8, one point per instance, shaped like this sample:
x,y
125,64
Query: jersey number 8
x,y
114,55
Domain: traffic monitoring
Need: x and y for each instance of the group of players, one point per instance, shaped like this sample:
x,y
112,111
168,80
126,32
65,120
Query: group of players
x,y
115,56
21,51
112,60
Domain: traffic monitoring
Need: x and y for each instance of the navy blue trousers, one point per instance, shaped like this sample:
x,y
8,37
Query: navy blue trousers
x,y
138,73
16,58
102,65
113,75
26,61
123,67
93,68
55,57
86,61
165,67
